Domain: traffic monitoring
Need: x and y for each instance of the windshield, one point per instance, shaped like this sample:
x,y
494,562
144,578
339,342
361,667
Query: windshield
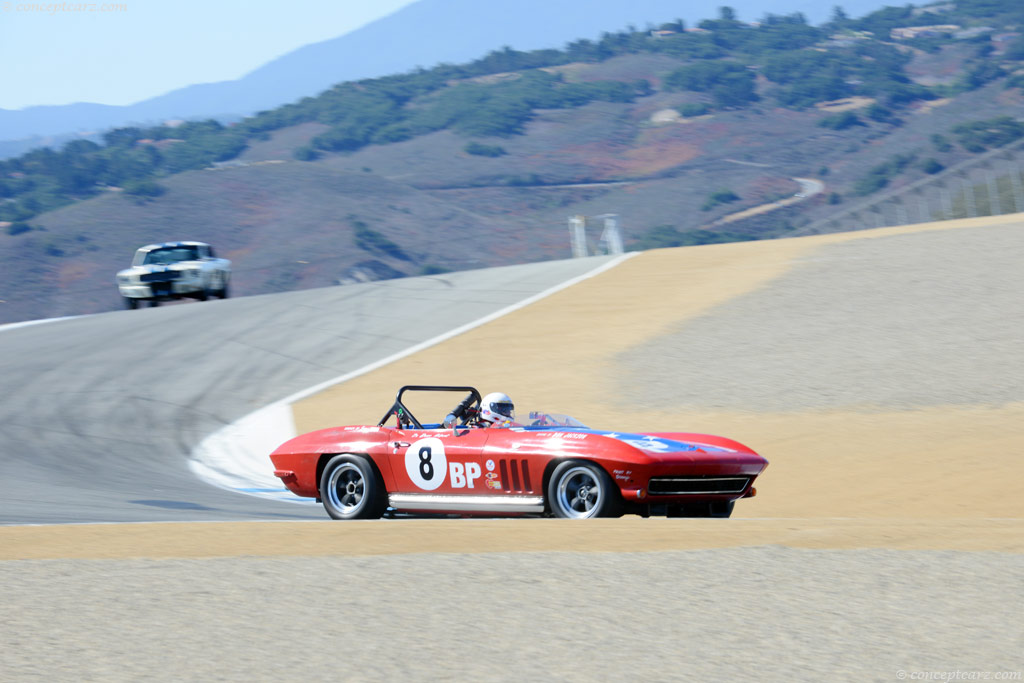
x,y
168,255
542,419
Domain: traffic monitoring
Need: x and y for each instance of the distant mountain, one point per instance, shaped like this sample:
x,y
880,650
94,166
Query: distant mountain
x,y
424,33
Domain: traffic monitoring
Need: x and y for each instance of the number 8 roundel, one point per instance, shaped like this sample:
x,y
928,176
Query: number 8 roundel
x,y
426,464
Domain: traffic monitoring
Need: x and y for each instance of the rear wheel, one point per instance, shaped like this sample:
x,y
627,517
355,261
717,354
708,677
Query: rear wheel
x,y
351,489
580,490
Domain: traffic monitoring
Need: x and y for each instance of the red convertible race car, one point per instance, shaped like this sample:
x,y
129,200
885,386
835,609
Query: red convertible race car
x,y
551,465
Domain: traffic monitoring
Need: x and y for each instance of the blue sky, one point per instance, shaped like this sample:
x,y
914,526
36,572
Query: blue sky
x,y
119,52
123,51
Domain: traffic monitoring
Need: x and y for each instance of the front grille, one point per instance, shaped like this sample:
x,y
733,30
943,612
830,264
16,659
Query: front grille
x,y
696,484
160,277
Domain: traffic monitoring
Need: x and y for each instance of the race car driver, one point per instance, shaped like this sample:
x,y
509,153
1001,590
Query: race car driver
x,y
496,410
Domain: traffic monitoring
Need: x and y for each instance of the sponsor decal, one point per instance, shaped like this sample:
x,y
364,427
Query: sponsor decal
x,y
463,475
653,445
428,467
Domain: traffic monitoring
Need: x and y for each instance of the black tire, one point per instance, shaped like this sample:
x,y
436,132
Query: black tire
x,y
220,289
130,303
351,489
203,294
153,303
580,490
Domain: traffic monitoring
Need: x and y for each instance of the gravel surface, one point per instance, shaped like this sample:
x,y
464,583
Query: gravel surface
x,y
748,613
902,322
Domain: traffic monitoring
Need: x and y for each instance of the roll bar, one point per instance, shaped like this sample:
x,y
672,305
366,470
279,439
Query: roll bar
x,y
468,407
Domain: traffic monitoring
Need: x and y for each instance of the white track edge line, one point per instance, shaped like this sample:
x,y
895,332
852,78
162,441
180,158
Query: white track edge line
x,y
298,396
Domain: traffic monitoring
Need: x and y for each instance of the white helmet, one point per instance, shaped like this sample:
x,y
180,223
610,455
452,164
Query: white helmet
x,y
496,408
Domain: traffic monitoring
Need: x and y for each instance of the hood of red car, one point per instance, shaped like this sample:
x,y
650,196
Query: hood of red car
x,y
670,448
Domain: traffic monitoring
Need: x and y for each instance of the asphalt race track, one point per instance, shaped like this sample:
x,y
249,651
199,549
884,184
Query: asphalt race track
x,y
100,413
878,371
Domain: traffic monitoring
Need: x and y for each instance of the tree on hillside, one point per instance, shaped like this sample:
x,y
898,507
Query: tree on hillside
x,y
730,83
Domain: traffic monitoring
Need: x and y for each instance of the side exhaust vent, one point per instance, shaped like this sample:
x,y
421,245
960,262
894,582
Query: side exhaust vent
x,y
519,481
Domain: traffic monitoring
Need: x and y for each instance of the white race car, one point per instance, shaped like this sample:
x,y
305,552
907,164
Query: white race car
x,y
174,270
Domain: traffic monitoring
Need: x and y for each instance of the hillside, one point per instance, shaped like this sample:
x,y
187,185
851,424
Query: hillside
x,y
458,31
481,164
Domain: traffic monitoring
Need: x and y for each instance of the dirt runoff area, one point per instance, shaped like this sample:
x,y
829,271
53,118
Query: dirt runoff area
x,y
878,371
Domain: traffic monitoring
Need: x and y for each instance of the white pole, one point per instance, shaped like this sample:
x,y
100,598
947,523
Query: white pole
x,y
578,236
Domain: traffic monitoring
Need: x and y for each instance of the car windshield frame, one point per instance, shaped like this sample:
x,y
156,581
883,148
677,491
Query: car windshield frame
x,y
165,256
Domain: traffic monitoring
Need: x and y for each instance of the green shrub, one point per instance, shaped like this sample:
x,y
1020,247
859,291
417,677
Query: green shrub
x,y
481,150
144,188
840,121
664,236
692,109
877,112
306,153
434,270
368,239
719,197
977,136
880,175
941,143
18,228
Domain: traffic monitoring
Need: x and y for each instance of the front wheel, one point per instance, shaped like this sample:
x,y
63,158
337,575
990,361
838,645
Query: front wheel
x,y
221,286
580,490
130,303
351,489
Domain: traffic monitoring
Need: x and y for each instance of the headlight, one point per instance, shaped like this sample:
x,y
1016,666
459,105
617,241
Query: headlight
x,y
124,279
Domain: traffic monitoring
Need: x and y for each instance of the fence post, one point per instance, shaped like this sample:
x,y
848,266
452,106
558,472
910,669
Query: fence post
x,y
995,205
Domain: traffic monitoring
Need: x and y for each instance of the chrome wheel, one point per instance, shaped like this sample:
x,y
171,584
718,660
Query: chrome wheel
x,y
346,489
580,490
350,488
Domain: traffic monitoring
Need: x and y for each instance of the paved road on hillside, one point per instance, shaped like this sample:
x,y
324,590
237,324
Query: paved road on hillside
x,y
98,414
